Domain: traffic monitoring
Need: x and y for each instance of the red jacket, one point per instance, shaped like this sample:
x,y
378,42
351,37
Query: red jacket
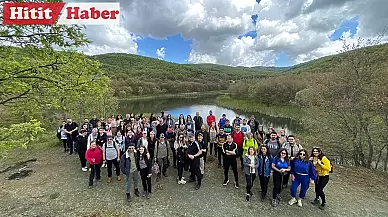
x,y
96,154
238,138
210,119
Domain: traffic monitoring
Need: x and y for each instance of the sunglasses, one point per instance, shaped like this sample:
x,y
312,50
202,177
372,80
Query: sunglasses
x,y
110,139
284,153
302,154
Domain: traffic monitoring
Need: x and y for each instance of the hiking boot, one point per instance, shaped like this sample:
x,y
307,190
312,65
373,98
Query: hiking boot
x,y
225,182
118,178
144,194
300,204
247,196
322,207
292,201
109,180
236,185
251,193
198,186
274,203
315,202
128,197
137,193
262,198
90,186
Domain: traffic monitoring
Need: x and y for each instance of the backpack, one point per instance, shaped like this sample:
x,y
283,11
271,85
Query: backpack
x,y
245,142
279,145
114,145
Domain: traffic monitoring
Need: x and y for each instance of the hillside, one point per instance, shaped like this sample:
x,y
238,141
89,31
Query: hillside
x,y
135,75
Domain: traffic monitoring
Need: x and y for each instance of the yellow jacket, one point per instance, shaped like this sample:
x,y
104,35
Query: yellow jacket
x,y
324,169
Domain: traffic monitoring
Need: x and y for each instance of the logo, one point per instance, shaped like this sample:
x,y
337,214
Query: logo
x,y
61,12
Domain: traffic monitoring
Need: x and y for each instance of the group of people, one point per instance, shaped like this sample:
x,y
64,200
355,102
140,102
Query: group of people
x,y
142,146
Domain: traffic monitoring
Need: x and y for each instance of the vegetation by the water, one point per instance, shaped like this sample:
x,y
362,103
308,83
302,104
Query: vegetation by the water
x,y
177,95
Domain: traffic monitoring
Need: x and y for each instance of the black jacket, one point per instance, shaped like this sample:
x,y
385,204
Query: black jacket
x,y
147,161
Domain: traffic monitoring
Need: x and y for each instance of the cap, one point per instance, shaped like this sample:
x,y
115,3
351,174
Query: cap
x,y
169,126
191,135
162,135
200,134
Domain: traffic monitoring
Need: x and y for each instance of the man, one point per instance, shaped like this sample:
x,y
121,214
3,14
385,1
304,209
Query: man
x,y
292,150
238,138
94,157
205,139
94,121
236,121
222,121
273,144
198,121
161,155
203,147
128,168
161,128
210,118
244,127
193,154
228,129
229,149
170,137
282,136
71,129
254,125
221,139
89,126
143,140
111,157
82,141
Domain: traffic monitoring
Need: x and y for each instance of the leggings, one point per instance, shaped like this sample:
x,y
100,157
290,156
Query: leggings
x,y
145,180
213,145
250,180
65,146
277,184
320,184
264,184
219,153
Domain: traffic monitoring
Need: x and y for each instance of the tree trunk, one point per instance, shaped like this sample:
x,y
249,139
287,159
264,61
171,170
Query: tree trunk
x,y
370,145
386,161
379,157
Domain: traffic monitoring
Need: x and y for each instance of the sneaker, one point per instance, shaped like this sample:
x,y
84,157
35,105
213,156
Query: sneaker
x,y
109,180
181,182
164,174
84,169
118,178
278,197
137,193
128,197
236,185
274,202
292,201
144,194
90,169
322,207
262,198
90,186
300,204
198,186
225,183
247,196
251,193
148,195
315,202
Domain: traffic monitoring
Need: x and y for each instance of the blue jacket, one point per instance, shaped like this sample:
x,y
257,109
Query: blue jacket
x,y
125,164
247,161
267,165
302,167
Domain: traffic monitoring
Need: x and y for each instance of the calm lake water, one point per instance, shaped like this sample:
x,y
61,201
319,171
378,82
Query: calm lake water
x,y
189,106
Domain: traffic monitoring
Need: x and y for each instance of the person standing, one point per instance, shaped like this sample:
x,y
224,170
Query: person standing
x,y
170,137
193,154
302,173
82,141
62,135
213,131
161,155
273,144
238,138
129,169
205,139
251,162
323,167
244,127
203,147
210,118
280,165
229,150
111,157
221,139
161,128
198,120
236,121
181,148
94,157
71,129
292,150
143,164
264,169
253,124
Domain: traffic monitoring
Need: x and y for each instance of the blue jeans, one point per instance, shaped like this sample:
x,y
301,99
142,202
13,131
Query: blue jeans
x,y
132,176
302,180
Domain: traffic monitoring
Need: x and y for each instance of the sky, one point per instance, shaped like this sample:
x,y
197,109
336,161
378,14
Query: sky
x,y
238,32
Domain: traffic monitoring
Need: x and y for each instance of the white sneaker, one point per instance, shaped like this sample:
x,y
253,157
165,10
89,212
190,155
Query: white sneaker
x,y
181,182
90,169
292,201
300,202
84,169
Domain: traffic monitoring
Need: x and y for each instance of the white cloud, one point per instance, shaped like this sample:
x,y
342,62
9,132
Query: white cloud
x,y
161,52
301,28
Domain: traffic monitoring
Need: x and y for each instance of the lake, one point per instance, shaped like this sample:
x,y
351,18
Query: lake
x,y
189,106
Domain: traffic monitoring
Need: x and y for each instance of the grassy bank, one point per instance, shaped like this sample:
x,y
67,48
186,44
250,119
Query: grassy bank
x,y
177,95
291,112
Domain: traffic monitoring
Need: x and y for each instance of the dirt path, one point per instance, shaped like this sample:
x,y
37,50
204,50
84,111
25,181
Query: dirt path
x,y
57,187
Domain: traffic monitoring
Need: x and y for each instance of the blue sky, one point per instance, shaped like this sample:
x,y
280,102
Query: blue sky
x,y
178,49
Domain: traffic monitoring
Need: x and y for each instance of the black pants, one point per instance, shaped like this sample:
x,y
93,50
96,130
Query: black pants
x,y
195,171
320,184
277,183
94,172
65,145
213,145
81,154
264,184
109,165
240,155
250,179
219,153
230,162
70,143
286,177
145,180
174,159
180,165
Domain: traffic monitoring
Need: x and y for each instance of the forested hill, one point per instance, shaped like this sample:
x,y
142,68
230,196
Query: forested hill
x,y
134,75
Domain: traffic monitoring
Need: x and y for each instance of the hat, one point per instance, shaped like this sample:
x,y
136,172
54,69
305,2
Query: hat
x,y
200,134
223,115
191,134
162,135
169,126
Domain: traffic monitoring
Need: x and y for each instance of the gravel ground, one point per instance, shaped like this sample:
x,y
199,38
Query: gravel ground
x,y
57,187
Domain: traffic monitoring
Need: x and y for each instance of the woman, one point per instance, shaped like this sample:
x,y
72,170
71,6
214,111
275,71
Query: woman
x,y
250,164
143,164
139,133
113,125
190,125
302,173
82,146
121,128
280,166
170,121
63,136
248,142
127,129
101,137
181,120
152,117
322,166
213,131
108,131
181,149
260,135
151,144
120,142
264,169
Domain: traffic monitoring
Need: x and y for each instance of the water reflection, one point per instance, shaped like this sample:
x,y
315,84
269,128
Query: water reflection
x,y
190,106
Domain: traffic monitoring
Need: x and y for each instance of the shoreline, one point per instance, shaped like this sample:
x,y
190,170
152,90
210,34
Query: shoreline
x,y
177,95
